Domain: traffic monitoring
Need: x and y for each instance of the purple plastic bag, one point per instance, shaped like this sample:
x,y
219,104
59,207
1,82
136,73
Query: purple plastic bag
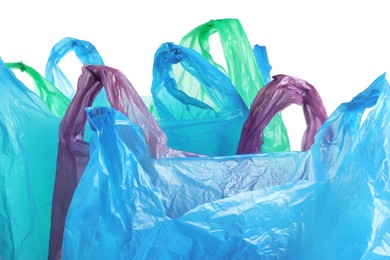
x,y
73,151
280,93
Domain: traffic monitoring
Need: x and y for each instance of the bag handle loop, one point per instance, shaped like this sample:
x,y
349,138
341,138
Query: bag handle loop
x,y
280,93
172,103
85,52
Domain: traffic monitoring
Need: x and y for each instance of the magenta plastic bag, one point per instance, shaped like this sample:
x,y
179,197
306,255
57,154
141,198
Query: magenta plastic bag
x,y
280,93
73,151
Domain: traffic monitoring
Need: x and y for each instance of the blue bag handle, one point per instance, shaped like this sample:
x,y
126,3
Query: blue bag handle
x,y
261,57
85,52
351,114
225,101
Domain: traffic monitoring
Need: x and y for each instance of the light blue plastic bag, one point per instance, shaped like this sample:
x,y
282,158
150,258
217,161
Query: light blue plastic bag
x,y
329,202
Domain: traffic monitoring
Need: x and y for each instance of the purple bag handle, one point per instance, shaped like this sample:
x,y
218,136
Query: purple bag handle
x,y
280,93
123,97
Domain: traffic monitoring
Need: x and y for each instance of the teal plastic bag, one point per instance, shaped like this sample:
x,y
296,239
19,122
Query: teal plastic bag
x,y
28,155
332,204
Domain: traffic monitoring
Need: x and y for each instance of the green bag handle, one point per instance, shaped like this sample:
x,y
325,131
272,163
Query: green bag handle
x,y
50,94
239,57
242,70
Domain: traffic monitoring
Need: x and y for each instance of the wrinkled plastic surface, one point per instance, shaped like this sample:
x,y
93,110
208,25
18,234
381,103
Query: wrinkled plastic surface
x,y
242,67
28,153
85,52
280,93
50,94
185,119
328,202
262,61
73,151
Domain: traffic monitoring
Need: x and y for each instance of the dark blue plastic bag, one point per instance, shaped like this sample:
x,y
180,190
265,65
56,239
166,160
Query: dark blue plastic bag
x,y
336,208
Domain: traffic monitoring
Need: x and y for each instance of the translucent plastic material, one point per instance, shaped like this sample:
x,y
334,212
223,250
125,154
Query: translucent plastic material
x,y
85,52
280,93
185,119
242,68
50,94
262,62
328,202
73,151
28,153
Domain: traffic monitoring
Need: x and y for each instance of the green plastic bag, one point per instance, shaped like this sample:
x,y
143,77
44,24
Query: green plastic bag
x,y
28,155
242,69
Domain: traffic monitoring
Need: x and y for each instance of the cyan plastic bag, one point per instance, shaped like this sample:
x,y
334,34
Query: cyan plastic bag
x,y
28,153
333,204
185,119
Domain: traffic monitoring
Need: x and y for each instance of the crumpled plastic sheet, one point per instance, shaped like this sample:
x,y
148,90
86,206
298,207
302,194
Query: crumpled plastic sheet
x,y
328,202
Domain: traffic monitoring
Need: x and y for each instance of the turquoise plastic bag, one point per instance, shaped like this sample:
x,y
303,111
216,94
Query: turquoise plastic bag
x,y
333,202
28,154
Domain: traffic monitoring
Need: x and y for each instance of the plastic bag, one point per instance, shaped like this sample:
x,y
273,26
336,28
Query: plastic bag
x,y
242,67
185,119
28,152
338,208
73,151
178,184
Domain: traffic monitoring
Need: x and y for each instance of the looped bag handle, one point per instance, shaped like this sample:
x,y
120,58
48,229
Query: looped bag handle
x,y
280,93
85,52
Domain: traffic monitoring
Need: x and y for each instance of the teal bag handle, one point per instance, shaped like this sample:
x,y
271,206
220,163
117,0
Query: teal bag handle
x,y
173,103
56,101
85,52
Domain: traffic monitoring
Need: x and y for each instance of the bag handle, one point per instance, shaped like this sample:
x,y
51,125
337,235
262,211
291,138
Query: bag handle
x,y
56,101
123,97
85,52
281,92
172,103
261,57
240,61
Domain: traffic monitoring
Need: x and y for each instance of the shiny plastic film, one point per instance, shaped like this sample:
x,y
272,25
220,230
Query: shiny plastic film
x,y
28,152
291,205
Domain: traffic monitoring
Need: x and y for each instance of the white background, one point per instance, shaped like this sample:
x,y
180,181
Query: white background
x,y
340,47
